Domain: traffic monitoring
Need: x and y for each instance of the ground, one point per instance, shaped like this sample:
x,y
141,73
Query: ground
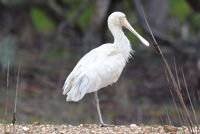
x,y
36,128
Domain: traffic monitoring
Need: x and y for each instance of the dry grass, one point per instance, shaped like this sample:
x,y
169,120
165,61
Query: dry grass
x,y
191,119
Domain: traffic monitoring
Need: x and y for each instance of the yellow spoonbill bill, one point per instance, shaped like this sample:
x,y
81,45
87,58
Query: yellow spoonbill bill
x,y
103,65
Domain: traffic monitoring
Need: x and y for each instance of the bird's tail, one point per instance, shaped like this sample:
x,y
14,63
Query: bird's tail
x,y
78,89
67,85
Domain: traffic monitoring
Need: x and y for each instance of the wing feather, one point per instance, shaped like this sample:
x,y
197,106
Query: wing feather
x,y
79,89
94,71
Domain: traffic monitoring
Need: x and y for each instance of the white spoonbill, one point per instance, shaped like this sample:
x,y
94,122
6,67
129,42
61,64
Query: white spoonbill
x,y
103,65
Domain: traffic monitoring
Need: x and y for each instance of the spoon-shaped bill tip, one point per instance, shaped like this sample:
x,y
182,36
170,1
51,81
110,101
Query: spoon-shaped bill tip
x,y
145,42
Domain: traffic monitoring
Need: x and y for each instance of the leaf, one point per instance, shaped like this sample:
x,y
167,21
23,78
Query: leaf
x,y
85,17
180,9
196,20
41,21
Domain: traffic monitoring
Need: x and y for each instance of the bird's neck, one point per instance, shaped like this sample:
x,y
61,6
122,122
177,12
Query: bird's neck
x,y
121,41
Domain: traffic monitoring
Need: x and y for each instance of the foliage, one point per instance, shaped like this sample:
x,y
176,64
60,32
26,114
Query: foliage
x,y
179,9
84,19
196,20
41,21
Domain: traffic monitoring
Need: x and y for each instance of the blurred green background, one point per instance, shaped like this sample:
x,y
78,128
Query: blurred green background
x,y
48,37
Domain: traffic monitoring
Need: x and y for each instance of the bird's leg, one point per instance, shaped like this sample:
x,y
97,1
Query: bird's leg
x,y
99,111
98,107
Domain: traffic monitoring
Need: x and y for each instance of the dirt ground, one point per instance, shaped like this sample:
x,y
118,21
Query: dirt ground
x,y
36,128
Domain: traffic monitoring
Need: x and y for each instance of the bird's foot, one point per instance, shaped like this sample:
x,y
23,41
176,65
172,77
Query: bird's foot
x,y
106,125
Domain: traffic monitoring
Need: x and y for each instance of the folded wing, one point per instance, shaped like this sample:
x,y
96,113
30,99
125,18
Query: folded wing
x,y
99,68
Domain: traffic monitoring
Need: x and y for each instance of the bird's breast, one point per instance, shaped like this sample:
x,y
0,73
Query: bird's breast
x,y
112,68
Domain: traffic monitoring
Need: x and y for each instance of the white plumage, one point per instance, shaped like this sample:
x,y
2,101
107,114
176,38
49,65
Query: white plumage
x,y
97,69
103,65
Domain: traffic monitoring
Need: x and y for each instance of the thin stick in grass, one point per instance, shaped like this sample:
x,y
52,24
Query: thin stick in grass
x,y
173,99
183,115
168,117
191,104
16,95
180,116
177,76
6,104
182,119
179,85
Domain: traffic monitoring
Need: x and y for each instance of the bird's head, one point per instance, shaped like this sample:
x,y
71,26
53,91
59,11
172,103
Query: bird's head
x,y
118,19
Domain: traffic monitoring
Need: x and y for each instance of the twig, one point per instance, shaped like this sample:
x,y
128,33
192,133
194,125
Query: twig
x,y
180,115
6,104
191,104
178,81
171,76
168,117
177,77
16,94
